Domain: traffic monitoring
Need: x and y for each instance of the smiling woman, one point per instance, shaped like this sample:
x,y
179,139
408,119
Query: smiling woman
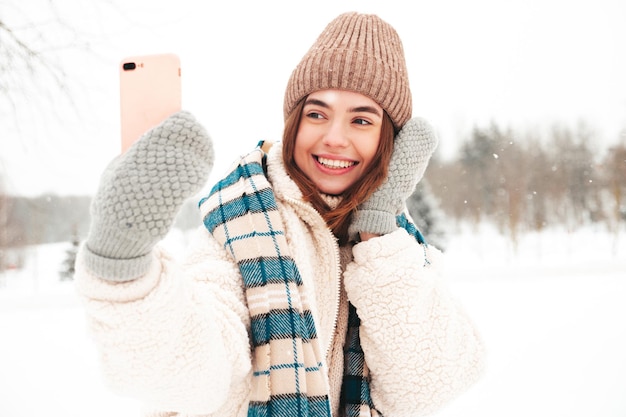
x,y
309,291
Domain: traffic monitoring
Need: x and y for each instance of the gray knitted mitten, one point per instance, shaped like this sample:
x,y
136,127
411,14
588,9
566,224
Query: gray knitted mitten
x,y
413,147
140,193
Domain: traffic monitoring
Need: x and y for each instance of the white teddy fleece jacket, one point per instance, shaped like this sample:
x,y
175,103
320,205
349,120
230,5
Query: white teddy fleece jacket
x,y
177,337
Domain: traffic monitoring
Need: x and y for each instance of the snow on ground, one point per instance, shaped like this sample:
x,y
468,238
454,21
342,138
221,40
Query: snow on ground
x,y
553,318
552,315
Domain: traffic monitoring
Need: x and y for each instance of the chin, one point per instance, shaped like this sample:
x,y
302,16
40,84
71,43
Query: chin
x,y
337,191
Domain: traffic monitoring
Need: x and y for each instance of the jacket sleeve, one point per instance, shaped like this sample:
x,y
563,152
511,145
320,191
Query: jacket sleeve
x,y
176,338
420,347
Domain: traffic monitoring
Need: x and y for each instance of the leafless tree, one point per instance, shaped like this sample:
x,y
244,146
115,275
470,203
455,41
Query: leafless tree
x,y
33,82
522,180
29,67
27,70
614,181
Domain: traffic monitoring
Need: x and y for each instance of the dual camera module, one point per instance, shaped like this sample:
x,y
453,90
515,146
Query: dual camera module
x,y
129,66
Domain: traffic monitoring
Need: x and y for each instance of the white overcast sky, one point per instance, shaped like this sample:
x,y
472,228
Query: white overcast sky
x,y
524,63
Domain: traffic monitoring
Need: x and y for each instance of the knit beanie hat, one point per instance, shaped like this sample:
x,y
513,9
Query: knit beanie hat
x,y
360,53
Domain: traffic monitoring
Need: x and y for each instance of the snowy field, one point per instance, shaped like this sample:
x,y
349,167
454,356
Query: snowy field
x,y
552,314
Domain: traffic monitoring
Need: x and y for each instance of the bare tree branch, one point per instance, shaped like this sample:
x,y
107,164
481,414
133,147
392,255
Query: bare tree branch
x,y
38,86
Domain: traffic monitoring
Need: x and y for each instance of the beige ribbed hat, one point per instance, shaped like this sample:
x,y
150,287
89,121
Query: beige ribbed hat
x,y
356,52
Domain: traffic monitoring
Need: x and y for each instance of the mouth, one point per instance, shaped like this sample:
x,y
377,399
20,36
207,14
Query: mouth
x,y
335,163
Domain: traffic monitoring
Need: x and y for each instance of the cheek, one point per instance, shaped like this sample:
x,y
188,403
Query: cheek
x,y
368,152
300,150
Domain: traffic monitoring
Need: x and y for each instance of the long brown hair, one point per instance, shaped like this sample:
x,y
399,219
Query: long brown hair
x,y
338,219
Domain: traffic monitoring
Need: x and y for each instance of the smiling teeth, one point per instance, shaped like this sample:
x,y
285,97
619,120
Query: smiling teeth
x,y
335,163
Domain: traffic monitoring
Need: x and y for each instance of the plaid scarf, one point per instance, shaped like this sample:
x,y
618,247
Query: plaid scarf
x,y
288,379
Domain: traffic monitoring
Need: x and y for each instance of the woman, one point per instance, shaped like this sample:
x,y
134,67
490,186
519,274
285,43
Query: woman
x,y
308,291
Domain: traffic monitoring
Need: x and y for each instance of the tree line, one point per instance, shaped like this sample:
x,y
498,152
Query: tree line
x,y
51,218
519,181
526,181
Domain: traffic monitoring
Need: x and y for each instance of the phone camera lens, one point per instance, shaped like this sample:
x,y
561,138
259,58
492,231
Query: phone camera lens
x,y
129,66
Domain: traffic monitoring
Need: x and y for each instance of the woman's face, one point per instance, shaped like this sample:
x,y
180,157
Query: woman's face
x,y
337,139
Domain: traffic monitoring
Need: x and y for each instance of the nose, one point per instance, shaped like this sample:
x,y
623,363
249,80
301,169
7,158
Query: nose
x,y
335,135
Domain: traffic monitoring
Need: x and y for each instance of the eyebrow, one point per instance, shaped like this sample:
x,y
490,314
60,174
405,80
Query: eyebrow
x,y
359,109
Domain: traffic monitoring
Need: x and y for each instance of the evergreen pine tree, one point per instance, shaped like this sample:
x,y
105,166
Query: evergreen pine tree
x,y
67,267
427,215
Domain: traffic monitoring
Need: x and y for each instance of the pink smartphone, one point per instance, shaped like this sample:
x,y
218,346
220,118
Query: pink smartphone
x,y
150,92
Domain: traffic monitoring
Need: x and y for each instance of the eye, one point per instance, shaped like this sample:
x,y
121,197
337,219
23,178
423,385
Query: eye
x,y
314,115
363,122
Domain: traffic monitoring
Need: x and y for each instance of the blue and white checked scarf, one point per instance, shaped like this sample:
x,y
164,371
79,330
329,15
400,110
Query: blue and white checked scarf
x,y
242,214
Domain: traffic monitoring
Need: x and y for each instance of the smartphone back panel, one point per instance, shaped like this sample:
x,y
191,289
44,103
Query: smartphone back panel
x,y
150,91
